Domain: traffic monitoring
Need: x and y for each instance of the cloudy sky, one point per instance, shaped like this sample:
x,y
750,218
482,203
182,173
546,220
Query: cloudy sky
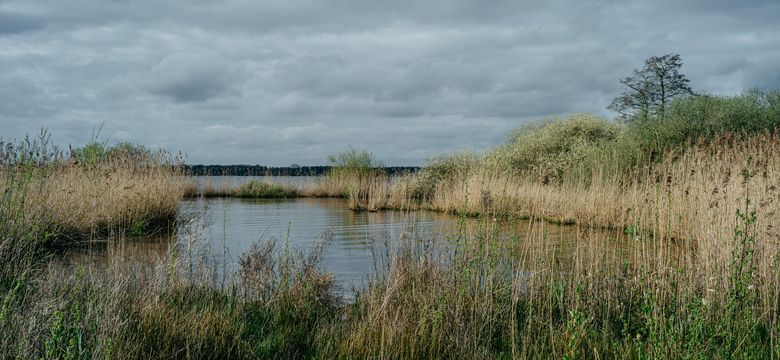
x,y
289,81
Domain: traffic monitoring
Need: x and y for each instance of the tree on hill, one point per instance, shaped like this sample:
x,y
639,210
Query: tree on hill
x,y
648,90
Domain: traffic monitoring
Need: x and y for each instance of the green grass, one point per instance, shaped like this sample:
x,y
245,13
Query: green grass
x,y
690,120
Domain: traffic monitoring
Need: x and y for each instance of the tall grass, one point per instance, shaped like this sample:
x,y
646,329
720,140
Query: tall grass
x,y
355,175
586,170
686,122
74,200
130,309
261,189
475,295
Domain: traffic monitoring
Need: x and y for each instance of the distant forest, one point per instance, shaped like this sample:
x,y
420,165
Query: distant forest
x,y
258,170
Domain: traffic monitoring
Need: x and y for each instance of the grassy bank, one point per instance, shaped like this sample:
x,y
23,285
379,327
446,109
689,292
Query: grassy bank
x,y
87,193
660,174
482,297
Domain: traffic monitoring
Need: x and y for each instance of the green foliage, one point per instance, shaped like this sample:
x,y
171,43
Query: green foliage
x,y
353,162
137,229
442,168
545,151
689,120
65,336
571,149
353,159
96,152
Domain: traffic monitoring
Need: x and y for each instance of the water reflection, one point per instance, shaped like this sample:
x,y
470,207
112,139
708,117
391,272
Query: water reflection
x,y
235,224
225,228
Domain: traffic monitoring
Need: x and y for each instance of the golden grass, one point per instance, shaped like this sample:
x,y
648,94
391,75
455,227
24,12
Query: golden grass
x,y
210,189
327,186
663,291
81,201
691,193
689,202
600,297
364,191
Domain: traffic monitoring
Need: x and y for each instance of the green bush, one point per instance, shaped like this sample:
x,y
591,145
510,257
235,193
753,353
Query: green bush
x,y
547,149
691,119
96,152
441,168
353,159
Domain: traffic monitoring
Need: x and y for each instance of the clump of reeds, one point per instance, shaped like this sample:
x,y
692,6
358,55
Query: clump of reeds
x,y
356,176
222,189
169,308
605,297
75,196
262,189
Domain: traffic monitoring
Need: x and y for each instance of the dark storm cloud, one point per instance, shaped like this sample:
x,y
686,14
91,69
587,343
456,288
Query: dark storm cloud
x,y
277,82
193,76
16,23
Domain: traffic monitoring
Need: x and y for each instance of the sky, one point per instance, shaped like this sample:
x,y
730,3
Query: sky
x,y
291,81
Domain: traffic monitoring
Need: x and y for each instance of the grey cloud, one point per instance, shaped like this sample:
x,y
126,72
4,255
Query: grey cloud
x,y
193,76
11,23
277,82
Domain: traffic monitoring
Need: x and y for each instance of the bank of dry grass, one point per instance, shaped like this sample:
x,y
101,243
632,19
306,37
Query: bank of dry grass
x,y
475,295
674,197
74,201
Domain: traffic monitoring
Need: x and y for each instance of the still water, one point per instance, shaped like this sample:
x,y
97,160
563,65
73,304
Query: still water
x,y
233,225
225,228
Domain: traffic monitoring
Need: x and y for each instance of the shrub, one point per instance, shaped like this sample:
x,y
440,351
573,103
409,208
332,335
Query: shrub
x,y
546,150
353,161
441,168
95,152
691,119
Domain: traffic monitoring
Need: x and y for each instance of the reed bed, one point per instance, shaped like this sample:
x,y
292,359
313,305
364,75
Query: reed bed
x,y
210,189
691,193
262,189
666,286
475,295
328,186
76,202
690,266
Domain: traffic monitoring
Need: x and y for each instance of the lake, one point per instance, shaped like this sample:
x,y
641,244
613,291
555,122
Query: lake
x,y
222,229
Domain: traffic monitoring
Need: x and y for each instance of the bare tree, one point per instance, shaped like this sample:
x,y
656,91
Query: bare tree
x,y
648,90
